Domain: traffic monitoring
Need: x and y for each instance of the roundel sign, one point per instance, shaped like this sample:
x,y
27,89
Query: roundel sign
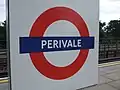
x,y
36,44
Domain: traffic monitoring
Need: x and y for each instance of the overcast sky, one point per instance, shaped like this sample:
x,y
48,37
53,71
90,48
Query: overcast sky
x,y
109,10
2,10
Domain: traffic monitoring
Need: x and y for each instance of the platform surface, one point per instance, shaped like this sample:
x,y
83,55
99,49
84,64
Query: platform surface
x,y
109,78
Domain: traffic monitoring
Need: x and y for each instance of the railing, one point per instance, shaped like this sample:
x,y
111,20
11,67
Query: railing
x,y
3,63
3,59
109,50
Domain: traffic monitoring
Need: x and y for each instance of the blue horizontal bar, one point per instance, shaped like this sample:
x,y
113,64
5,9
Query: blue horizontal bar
x,y
49,44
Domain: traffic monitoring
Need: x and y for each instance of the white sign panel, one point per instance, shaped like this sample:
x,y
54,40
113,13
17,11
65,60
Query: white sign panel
x,y
53,44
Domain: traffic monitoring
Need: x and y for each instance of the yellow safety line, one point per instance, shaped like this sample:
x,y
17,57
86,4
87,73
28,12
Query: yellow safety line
x,y
100,65
4,81
109,64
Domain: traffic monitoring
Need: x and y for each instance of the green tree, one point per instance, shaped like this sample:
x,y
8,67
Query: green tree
x,y
3,31
3,35
102,33
113,28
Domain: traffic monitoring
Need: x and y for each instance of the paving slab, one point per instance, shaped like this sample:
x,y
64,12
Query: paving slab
x,y
115,84
112,71
103,80
110,68
113,76
4,86
101,73
100,87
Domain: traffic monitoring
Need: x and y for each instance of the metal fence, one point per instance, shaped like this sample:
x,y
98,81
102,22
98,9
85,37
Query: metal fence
x,y
109,50
3,63
3,59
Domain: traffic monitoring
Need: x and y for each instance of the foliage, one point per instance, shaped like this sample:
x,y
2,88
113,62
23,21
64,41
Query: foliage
x,y
3,31
113,28
102,33
3,35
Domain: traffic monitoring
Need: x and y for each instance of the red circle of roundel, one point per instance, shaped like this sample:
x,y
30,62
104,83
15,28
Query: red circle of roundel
x,y
38,30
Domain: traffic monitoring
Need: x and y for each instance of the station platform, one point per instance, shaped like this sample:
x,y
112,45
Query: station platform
x,y
109,78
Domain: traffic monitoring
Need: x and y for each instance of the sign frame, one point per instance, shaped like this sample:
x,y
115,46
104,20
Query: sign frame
x,y
8,45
